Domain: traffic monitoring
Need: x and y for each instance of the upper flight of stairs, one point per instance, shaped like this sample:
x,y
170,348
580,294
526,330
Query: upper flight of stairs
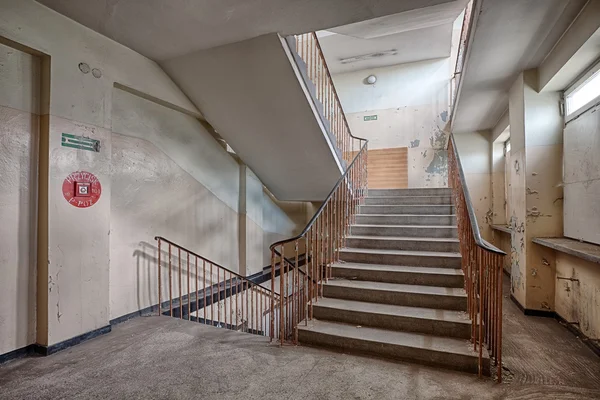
x,y
398,290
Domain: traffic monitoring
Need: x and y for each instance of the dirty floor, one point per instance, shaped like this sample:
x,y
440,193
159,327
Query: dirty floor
x,y
165,358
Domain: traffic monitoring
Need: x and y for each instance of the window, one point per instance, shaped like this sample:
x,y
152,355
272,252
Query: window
x,y
584,94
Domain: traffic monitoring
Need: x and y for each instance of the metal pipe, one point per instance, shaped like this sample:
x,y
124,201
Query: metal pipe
x,y
170,284
159,280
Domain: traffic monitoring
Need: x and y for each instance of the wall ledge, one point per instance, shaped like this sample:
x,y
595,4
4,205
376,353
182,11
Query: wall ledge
x,y
502,228
586,251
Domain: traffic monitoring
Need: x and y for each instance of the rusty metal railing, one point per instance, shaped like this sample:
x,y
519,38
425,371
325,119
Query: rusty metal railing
x,y
321,240
309,49
198,289
482,267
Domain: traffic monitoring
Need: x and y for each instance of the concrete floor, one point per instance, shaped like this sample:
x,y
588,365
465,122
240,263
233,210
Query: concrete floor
x,y
164,358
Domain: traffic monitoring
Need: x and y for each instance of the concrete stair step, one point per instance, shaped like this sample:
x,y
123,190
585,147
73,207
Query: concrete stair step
x,y
413,209
402,257
410,192
403,243
408,275
430,350
405,219
399,200
400,318
439,231
445,298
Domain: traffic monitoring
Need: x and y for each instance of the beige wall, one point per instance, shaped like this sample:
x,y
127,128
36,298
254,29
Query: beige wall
x,y
577,301
499,183
536,192
19,134
474,151
169,167
411,104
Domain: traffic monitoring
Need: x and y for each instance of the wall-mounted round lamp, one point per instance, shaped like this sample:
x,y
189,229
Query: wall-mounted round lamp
x,y
371,79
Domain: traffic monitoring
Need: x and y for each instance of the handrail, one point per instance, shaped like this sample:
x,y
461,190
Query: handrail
x,y
334,89
228,300
309,50
322,207
323,237
204,258
479,241
482,266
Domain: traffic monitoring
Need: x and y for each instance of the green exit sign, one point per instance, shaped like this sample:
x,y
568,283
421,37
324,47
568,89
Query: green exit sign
x,y
370,118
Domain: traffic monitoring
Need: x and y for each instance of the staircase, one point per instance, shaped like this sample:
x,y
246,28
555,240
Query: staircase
x,y
397,291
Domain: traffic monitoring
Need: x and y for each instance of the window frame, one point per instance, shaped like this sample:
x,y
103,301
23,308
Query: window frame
x,y
592,72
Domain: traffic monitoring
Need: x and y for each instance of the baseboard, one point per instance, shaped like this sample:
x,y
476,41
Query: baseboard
x,y
592,344
533,313
152,310
18,353
47,350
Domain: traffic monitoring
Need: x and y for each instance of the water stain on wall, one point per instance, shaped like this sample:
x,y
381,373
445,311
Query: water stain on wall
x,y
439,163
414,143
439,139
444,116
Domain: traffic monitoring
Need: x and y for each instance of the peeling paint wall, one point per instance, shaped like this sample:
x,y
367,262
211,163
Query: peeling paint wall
x,y
516,197
19,127
411,105
172,182
170,178
536,190
578,293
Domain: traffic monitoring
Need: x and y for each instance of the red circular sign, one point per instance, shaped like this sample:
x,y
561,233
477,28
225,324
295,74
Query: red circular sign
x,y
81,189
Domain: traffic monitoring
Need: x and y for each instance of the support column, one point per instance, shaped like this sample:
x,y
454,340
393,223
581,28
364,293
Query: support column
x,y
535,194
251,234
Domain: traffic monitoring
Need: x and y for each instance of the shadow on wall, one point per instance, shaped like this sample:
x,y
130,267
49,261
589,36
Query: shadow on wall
x,y
189,272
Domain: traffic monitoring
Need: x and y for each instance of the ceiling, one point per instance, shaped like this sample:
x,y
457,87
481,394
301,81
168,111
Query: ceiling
x,y
161,29
410,36
510,36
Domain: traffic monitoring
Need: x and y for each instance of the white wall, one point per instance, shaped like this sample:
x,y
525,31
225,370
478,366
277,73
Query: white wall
x,y
77,290
253,95
163,167
19,127
411,104
474,151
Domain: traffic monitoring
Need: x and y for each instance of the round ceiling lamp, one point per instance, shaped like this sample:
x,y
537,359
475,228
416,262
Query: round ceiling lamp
x,y
371,79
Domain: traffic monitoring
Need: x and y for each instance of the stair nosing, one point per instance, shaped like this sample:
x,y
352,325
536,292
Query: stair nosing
x,y
460,316
404,238
402,226
397,268
398,286
454,342
407,215
407,205
418,253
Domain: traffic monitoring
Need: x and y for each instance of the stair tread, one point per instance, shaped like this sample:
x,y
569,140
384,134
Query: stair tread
x,y
399,268
394,310
398,287
403,197
407,215
408,238
402,252
405,226
407,339
408,205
